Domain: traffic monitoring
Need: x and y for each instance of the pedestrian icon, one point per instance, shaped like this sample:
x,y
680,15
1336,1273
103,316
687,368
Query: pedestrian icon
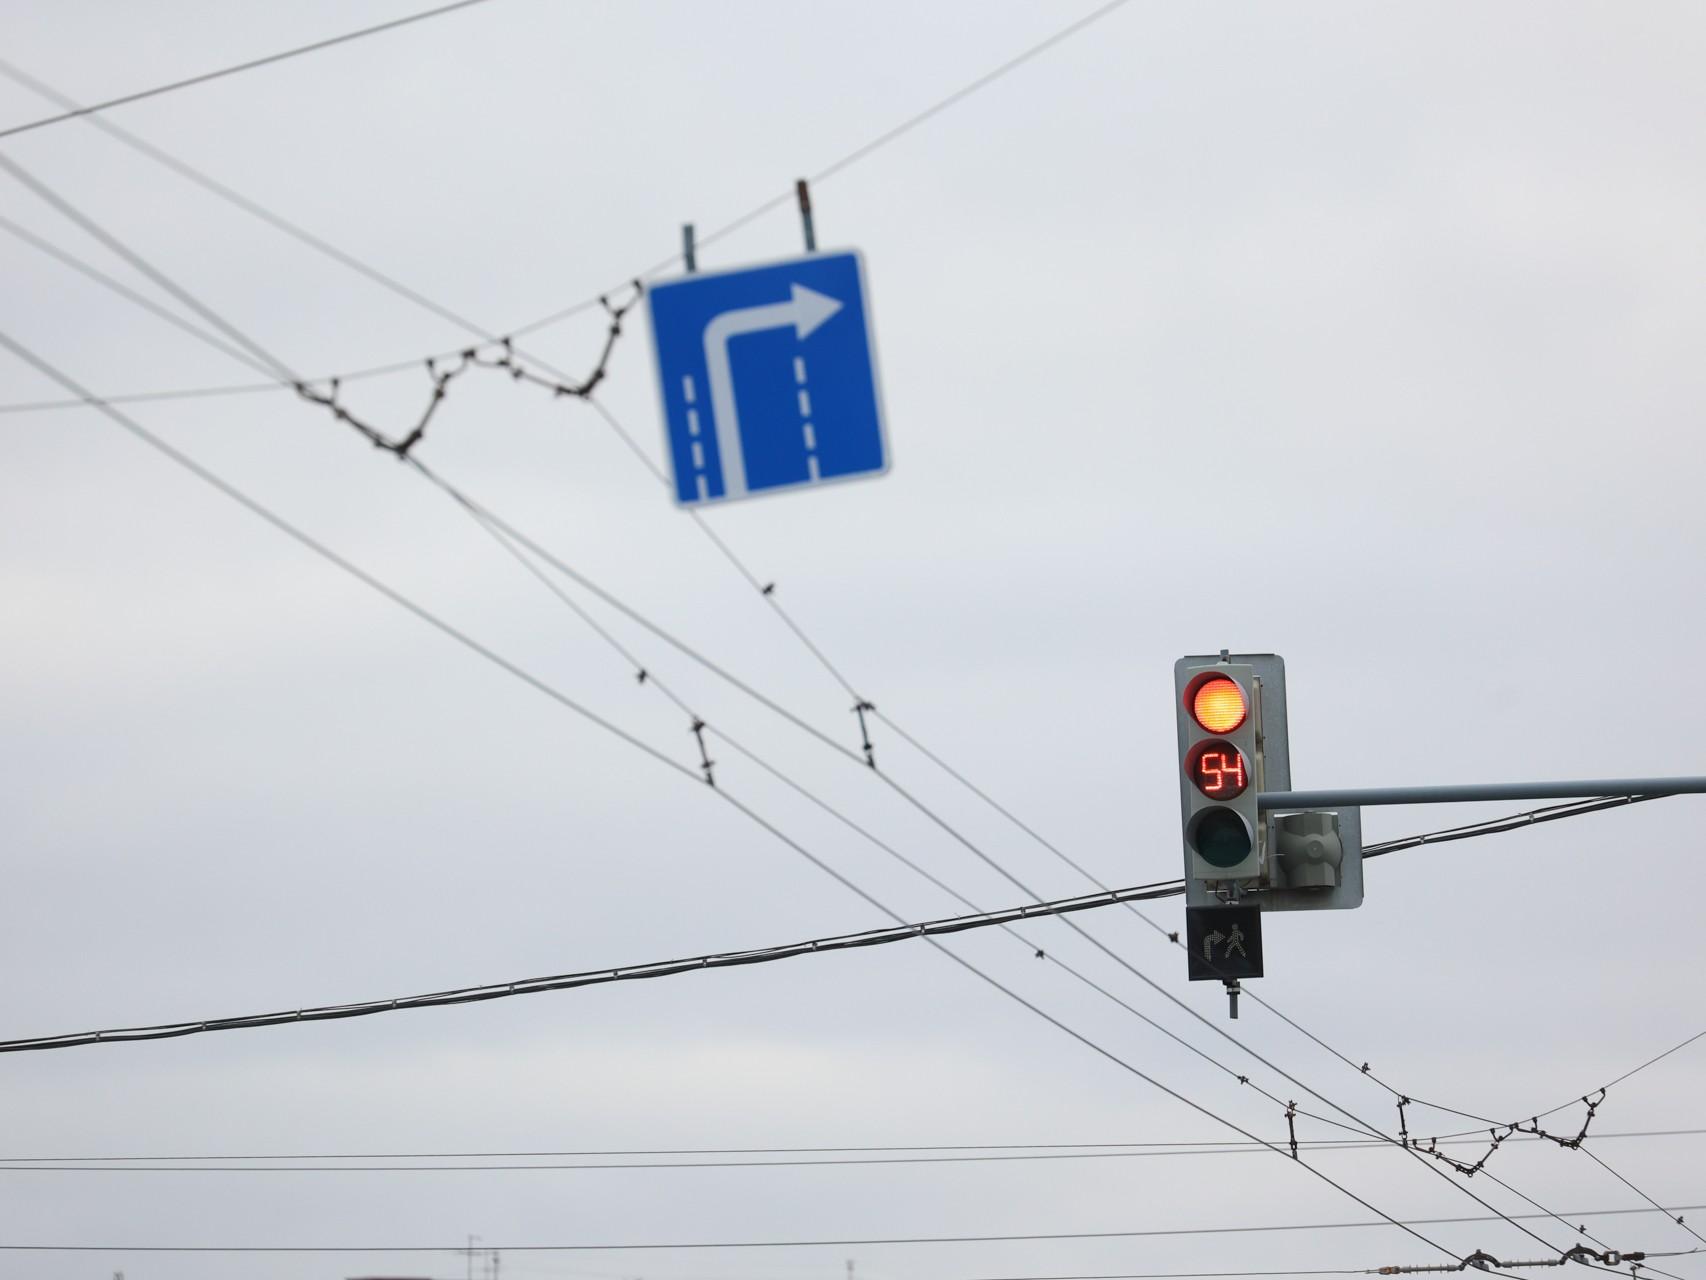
x,y
1234,942
768,377
1224,942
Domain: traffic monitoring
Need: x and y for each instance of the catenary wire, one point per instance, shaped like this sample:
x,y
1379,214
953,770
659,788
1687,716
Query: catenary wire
x,y
769,596
835,167
487,523
1637,1190
73,214
1043,1150
799,632
848,1242
125,291
866,149
485,1161
1488,827
256,357
781,613
701,726
252,207
1576,1101
501,529
421,300
494,521
195,304
1550,813
860,702
488,520
213,317
325,552
1652,1061
235,69
414,296
1171,1275
560,982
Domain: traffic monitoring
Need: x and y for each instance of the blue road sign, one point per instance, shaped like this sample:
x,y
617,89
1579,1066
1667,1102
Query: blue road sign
x,y
769,377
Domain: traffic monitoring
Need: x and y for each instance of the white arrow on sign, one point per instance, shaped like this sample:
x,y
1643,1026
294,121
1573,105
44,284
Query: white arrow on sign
x,y
805,310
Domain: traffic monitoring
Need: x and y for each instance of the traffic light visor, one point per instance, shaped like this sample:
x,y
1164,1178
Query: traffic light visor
x,y
1218,704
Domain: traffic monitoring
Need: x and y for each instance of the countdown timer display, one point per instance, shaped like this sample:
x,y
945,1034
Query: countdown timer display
x,y
1218,770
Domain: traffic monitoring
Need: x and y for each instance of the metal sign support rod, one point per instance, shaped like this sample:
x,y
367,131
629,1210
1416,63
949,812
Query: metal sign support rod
x,y
803,194
1465,793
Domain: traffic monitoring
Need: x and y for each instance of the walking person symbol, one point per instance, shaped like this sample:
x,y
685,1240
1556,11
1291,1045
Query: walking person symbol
x,y
1235,939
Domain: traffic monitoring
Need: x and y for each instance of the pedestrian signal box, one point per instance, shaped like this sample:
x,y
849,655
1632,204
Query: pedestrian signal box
x,y
1224,943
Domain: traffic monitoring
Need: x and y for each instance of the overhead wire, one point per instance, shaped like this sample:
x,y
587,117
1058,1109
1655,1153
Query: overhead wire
x,y
415,296
220,323
772,1158
768,594
1562,1106
1496,825
148,304
487,522
252,207
490,521
320,244
782,613
498,530
195,304
368,579
838,1243
904,932
73,214
1023,1150
698,726
1637,1190
237,68
503,532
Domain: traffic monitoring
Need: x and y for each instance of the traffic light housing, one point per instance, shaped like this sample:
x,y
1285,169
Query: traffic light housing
x,y
1219,709
1295,861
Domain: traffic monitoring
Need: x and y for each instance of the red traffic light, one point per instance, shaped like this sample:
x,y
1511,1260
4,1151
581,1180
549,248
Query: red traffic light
x,y
1218,704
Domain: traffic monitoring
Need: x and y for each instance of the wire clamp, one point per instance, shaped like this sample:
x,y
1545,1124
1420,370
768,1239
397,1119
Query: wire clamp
x,y
705,761
861,707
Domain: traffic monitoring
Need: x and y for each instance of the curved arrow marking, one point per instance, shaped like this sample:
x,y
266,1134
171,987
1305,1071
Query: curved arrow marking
x,y
806,310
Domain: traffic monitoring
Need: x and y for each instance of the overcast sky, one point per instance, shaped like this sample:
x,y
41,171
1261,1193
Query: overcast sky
x,y
1364,334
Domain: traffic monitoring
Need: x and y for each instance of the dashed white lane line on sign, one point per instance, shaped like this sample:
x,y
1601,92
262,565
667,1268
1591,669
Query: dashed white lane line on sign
x,y
806,418
687,391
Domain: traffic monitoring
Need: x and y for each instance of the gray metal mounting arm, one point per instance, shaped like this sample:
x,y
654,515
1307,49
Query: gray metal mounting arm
x,y
1465,793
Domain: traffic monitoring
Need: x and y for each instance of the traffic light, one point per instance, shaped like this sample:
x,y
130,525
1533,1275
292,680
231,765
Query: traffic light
x,y
1219,708
1233,744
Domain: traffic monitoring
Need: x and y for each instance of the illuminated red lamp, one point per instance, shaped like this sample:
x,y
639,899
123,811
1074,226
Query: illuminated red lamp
x,y
1218,704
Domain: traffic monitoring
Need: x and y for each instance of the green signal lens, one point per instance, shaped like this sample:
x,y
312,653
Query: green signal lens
x,y
1221,838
